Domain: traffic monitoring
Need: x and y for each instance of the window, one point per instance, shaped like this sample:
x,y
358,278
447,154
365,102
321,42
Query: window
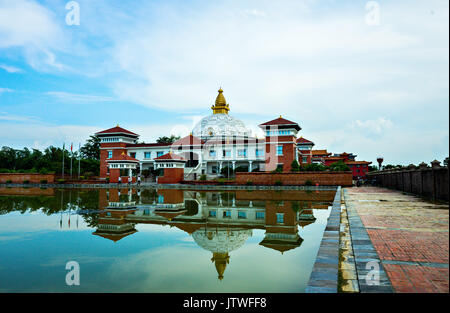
x,y
110,154
279,150
280,218
260,215
304,159
242,214
226,153
259,152
212,153
227,214
133,154
147,154
159,153
242,152
160,199
212,213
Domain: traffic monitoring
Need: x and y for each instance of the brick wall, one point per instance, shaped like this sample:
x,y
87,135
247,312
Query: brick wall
x,y
20,177
117,151
171,176
297,179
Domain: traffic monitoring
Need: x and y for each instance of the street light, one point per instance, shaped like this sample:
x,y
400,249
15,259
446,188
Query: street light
x,y
379,160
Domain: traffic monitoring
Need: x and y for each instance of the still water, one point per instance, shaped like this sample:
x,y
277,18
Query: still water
x,y
160,240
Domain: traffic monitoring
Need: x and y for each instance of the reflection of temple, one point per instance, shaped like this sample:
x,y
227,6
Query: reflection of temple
x,y
219,222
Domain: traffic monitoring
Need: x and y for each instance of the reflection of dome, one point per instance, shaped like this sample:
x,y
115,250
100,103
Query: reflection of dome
x,y
220,242
220,123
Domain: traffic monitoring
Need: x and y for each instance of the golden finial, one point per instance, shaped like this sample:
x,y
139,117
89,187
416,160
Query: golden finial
x,y
220,105
117,125
123,152
280,116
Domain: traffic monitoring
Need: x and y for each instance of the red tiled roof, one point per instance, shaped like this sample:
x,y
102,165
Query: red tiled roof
x,y
170,156
116,130
304,140
137,145
358,162
320,152
122,157
279,121
188,140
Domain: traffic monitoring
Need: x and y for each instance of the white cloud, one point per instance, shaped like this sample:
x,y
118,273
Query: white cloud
x,y
376,126
11,69
31,27
74,97
5,90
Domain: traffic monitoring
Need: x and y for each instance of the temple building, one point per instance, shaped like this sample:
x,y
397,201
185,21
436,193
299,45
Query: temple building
x,y
218,143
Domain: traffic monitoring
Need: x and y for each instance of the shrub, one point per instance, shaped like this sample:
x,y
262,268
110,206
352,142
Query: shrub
x,y
43,171
88,174
295,167
241,169
9,181
26,181
43,181
278,183
107,180
4,170
313,167
309,182
61,181
339,166
203,177
81,177
249,183
221,181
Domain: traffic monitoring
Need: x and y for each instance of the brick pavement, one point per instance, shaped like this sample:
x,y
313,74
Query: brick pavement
x,y
410,235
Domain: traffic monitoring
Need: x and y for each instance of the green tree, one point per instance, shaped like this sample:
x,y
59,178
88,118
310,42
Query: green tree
x,y
168,140
91,149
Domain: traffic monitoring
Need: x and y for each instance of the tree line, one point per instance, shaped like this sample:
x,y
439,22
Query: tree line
x,y
50,161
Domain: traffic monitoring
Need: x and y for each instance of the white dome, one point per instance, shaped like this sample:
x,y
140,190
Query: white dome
x,y
217,125
223,240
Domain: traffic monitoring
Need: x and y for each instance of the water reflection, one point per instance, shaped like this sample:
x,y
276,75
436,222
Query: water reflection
x,y
218,222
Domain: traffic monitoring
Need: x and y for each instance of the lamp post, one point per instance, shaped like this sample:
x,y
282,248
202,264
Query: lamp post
x,y
380,161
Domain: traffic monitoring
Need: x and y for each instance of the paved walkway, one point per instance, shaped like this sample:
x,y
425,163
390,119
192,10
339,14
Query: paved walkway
x,y
410,236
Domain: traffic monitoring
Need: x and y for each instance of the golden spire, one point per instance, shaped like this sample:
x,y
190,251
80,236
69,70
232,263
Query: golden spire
x,y
220,105
221,260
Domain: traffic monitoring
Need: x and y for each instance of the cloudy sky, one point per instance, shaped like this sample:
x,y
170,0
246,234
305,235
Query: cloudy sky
x,y
358,76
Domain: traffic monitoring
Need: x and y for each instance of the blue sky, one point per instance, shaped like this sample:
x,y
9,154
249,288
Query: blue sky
x,y
154,67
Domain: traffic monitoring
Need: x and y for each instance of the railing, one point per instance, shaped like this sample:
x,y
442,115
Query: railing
x,y
192,170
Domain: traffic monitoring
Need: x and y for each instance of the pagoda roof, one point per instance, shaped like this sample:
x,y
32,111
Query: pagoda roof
x,y
320,152
302,140
170,157
114,236
190,140
116,130
280,122
281,245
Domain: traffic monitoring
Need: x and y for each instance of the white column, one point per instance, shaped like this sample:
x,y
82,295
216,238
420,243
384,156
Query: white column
x,y
250,165
234,165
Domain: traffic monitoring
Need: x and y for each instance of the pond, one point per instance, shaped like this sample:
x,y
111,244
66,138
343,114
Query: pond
x,y
160,240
